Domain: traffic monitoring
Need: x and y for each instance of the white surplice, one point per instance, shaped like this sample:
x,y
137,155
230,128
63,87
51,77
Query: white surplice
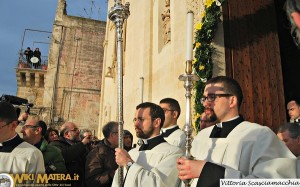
x,y
249,151
152,168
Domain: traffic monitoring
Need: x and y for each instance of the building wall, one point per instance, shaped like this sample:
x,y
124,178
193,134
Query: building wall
x,y
30,86
72,87
151,68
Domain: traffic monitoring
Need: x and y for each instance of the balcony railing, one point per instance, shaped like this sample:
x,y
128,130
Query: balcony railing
x,y
24,64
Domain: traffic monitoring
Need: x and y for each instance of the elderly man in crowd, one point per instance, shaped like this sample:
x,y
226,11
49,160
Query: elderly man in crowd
x,y
73,151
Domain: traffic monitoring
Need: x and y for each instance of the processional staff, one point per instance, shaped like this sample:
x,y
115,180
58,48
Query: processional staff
x,y
118,14
188,79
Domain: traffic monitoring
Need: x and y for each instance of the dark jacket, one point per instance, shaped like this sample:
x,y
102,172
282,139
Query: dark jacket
x,y
53,159
74,155
100,165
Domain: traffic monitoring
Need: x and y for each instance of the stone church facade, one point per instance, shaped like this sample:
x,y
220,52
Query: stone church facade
x,y
154,57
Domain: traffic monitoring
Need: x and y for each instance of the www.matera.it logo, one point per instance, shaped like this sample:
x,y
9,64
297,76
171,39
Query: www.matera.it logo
x,y
6,180
38,180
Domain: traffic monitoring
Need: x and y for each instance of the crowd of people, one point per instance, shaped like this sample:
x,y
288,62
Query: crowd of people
x,y
227,146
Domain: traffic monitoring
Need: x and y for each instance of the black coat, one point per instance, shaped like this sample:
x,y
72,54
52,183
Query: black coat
x,y
75,156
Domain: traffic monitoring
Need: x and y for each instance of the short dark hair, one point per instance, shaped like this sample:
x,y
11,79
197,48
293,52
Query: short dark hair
x,y
230,86
8,112
49,130
43,125
292,128
297,100
109,127
155,111
174,105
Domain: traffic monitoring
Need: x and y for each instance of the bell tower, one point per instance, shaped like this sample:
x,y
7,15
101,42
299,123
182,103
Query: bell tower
x,y
30,85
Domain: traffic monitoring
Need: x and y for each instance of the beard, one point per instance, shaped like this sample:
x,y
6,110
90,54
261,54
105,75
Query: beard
x,y
144,134
211,115
74,138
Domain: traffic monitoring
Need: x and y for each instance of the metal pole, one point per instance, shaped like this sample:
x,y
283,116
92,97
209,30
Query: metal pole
x,y
118,14
30,30
188,79
21,50
23,37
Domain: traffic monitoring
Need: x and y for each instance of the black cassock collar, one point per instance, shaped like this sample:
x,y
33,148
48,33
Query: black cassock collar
x,y
167,132
9,145
148,144
221,130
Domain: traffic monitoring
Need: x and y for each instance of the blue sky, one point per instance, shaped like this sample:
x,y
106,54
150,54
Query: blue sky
x,y
16,16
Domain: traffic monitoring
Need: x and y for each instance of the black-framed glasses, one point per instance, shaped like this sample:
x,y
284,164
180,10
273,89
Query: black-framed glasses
x,y
166,110
212,97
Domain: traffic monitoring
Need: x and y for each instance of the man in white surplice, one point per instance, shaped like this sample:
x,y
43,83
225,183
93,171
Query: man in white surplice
x,y
153,163
170,130
16,155
233,148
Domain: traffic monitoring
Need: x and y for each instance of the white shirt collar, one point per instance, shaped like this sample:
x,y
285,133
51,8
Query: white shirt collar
x,y
145,141
220,125
165,129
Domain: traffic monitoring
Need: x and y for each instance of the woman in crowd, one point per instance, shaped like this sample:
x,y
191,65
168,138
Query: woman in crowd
x,y
51,135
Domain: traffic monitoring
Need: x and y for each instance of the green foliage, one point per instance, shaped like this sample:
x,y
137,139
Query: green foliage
x,y
202,64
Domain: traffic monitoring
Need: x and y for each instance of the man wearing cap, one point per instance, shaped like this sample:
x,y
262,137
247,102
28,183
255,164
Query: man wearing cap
x,y
33,132
16,155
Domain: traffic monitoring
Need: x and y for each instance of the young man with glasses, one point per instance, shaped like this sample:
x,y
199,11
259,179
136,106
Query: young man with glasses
x,y
73,151
33,132
233,148
152,163
16,155
170,130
